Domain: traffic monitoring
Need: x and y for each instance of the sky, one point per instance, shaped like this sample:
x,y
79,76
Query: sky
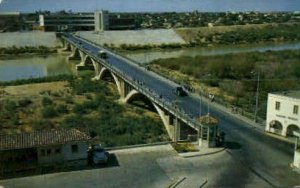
x,y
150,5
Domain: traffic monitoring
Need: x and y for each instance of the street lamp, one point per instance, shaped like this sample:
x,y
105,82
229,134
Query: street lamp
x,y
257,95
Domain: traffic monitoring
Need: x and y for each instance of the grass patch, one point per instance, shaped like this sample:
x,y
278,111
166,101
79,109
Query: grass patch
x,y
183,147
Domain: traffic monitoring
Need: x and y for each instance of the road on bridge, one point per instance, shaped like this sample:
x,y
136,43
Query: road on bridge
x,y
266,157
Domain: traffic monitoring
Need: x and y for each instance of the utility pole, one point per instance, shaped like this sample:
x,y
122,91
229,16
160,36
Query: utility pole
x,y
200,105
257,96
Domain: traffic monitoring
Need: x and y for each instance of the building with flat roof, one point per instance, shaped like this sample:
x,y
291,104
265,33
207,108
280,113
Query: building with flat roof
x,y
67,21
283,113
97,21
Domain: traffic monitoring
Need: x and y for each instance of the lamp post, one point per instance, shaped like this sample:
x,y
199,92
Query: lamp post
x,y
257,96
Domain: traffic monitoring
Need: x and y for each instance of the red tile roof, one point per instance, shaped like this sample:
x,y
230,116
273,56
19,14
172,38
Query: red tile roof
x,y
41,138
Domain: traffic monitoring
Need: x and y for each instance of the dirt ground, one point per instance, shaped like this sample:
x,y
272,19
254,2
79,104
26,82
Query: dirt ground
x,y
25,118
32,90
190,34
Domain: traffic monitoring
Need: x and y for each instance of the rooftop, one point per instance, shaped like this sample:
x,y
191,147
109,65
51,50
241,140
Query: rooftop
x,y
292,94
41,138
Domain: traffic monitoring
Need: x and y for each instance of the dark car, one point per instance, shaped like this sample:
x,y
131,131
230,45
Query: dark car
x,y
97,155
179,91
102,54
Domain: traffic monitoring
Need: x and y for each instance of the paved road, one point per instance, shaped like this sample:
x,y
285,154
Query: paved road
x,y
268,158
153,167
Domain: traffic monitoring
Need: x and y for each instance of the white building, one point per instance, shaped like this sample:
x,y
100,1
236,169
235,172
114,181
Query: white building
x,y
283,113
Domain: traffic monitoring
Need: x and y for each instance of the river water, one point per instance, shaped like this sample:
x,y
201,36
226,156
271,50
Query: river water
x,y
34,66
23,67
147,57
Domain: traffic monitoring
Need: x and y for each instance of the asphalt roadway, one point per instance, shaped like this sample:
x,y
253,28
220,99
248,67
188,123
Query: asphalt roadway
x,y
264,156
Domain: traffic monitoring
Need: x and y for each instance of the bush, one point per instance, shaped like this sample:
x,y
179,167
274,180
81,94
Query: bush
x,y
46,101
49,112
62,109
10,106
24,102
42,124
69,100
79,109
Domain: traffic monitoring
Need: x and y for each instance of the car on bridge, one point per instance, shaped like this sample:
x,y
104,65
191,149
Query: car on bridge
x,y
179,91
102,54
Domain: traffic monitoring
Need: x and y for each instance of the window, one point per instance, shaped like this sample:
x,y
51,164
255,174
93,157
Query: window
x,y
48,151
277,105
57,150
296,109
74,148
43,153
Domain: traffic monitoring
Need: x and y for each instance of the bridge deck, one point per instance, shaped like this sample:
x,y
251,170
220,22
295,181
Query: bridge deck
x,y
187,106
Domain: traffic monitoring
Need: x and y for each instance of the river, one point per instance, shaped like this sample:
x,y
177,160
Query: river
x,y
147,57
23,67
34,66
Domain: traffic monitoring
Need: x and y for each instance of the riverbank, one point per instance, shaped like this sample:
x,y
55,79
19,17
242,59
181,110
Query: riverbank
x,y
77,102
29,38
30,50
232,78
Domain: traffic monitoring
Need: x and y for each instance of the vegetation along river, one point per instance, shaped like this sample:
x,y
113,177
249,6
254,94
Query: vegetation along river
x,y
23,67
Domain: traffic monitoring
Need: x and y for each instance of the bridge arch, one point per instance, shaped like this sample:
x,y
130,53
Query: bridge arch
x,y
134,94
90,62
75,53
100,75
66,46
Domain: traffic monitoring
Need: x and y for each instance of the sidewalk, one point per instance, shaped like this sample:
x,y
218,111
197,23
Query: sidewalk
x,y
257,126
249,122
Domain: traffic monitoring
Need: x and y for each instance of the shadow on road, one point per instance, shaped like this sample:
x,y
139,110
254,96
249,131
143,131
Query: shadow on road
x,y
233,145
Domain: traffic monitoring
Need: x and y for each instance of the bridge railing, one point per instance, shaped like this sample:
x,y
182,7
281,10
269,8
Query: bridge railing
x,y
152,95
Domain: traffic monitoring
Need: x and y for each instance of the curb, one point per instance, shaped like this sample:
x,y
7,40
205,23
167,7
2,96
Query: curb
x,y
278,137
203,154
137,146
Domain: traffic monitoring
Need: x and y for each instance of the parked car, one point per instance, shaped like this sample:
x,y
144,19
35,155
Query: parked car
x,y
179,91
97,155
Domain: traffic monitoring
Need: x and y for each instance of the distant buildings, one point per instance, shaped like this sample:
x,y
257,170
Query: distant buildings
x,y
66,21
98,21
283,113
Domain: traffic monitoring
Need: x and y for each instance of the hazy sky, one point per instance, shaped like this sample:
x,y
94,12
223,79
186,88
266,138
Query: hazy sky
x,y
150,5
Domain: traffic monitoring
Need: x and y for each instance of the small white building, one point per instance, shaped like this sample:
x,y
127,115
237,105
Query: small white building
x,y
283,113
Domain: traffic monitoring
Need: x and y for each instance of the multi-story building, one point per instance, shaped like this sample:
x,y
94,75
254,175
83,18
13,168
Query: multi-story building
x,y
98,21
283,113
67,21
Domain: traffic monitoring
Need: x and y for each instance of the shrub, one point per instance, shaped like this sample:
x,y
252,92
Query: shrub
x,y
24,102
42,124
61,108
10,106
79,109
49,112
69,100
46,101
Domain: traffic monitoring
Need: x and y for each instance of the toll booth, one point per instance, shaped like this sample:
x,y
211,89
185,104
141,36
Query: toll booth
x,y
208,131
